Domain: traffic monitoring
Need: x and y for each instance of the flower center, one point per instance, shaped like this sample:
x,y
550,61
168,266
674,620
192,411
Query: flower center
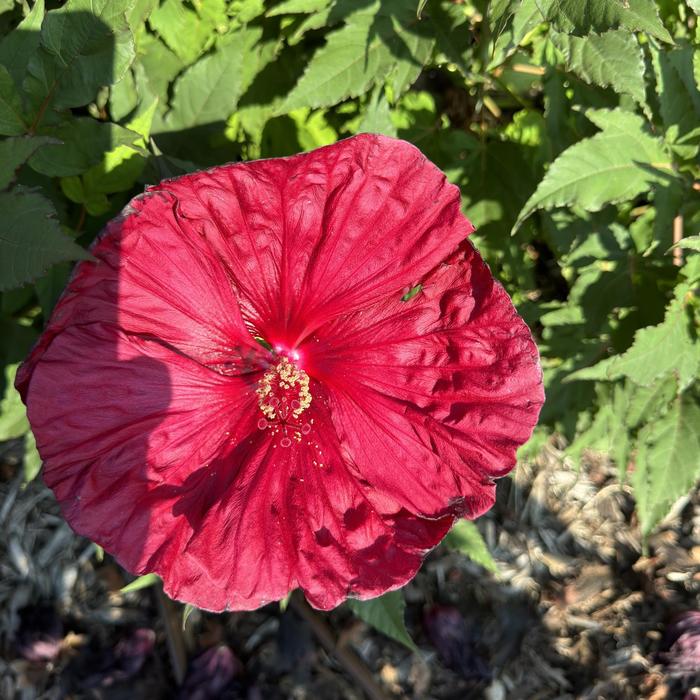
x,y
283,396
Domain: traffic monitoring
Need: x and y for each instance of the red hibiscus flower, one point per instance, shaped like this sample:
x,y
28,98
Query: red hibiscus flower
x,y
235,396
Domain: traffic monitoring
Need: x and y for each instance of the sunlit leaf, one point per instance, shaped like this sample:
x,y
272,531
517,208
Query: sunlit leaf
x,y
377,115
13,415
583,16
290,7
668,461
690,243
209,90
516,20
466,538
186,612
32,460
137,584
377,42
181,29
613,166
613,59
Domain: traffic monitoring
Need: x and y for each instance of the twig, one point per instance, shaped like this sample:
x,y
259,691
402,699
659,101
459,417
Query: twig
x,y
172,621
347,658
677,236
81,220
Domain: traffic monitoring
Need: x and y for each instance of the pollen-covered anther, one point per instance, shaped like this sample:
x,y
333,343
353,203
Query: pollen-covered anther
x,y
283,395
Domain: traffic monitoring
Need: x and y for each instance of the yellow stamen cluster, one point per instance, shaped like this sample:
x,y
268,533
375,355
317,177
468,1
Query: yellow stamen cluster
x,y
283,391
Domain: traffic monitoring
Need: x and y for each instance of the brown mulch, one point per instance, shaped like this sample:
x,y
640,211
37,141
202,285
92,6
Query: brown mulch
x,y
578,609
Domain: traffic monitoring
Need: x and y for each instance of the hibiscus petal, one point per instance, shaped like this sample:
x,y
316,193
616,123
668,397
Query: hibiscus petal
x,y
117,424
432,397
318,234
164,465
153,278
142,389
267,519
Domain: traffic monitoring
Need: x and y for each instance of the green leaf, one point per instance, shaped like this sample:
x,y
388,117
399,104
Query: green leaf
x,y
657,351
498,12
341,69
668,461
17,339
453,35
124,97
382,41
495,181
269,90
584,16
13,415
377,116
385,614
16,152
137,584
690,243
209,90
613,166
138,12
84,45
408,44
529,129
119,168
156,67
83,142
181,29
142,122
18,47
50,286
118,172
613,59
313,130
679,98
646,403
95,203
510,31
619,442
302,26
668,202
31,239
245,10
11,110
32,460
186,612
465,537
608,432
291,7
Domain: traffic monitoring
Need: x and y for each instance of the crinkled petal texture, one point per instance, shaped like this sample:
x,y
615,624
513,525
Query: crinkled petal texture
x,y
144,392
